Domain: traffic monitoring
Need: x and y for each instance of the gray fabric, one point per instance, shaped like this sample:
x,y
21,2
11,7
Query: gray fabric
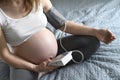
x,y
105,64
22,74
4,71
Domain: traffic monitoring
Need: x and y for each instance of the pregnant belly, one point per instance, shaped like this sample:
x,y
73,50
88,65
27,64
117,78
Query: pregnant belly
x,y
41,46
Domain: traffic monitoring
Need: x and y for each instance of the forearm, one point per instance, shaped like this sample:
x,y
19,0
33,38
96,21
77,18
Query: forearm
x,y
17,62
79,29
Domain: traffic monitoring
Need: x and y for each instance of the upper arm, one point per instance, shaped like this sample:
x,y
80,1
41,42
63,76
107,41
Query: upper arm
x,y
3,44
46,5
58,20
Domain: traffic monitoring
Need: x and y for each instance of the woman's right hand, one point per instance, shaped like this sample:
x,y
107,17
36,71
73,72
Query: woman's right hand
x,y
43,67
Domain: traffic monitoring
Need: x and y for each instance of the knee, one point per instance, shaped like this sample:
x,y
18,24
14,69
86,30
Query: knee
x,y
88,41
91,47
4,70
22,74
94,42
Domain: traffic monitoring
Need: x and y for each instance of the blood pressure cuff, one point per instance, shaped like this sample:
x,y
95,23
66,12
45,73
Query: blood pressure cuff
x,y
55,18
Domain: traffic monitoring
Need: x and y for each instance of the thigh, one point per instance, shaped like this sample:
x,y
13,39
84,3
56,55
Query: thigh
x,y
88,45
4,70
22,74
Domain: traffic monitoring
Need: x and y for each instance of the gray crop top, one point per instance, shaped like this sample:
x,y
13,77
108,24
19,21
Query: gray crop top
x,y
17,31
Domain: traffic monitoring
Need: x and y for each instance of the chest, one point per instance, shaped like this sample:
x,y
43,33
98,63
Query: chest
x,y
22,25
14,19
21,29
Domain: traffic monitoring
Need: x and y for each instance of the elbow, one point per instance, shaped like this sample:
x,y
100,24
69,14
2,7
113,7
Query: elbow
x,y
64,26
67,27
4,53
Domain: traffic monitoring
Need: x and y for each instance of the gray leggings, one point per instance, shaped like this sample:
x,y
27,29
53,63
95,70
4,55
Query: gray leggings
x,y
87,44
22,74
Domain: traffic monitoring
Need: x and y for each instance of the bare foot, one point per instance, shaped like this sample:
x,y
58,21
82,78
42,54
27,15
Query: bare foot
x,y
105,36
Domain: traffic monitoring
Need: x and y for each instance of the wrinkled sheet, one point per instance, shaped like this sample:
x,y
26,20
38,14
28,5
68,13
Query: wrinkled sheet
x,y
105,63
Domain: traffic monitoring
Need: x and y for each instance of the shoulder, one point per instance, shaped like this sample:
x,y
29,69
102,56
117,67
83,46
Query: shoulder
x,y
46,4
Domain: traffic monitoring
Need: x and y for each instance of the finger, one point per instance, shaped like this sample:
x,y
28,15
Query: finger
x,y
48,60
113,37
53,67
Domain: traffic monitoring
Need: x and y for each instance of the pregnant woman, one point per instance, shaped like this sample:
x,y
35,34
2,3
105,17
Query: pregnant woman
x,y
23,27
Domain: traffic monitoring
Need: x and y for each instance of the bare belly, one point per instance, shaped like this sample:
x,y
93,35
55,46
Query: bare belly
x,y
41,46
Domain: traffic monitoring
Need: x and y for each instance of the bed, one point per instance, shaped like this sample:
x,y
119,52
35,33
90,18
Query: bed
x,y
105,63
